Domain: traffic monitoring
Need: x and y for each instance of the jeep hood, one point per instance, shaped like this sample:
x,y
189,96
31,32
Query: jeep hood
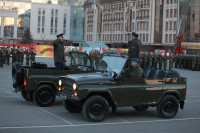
x,y
97,77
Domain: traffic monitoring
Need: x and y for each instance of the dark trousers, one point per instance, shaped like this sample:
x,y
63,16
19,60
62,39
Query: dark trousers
x,y
59,66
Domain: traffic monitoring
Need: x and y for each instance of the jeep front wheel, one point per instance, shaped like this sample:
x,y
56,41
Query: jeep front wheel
x,y
95,108
72,107
44,96
27,95
168,106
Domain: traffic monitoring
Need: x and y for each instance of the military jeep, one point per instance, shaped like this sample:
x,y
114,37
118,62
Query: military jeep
x,y
111,86
39,82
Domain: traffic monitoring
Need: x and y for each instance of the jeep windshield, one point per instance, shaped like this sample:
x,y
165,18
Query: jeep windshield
x,y
79,59
112,63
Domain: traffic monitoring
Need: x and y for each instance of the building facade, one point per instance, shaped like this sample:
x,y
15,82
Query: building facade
x,y
48,20
156,21
44,18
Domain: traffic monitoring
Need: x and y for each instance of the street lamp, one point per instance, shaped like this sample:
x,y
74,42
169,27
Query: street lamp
x,y
42,36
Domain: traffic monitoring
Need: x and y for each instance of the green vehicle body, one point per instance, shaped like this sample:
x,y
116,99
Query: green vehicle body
x,y
27,79
121,91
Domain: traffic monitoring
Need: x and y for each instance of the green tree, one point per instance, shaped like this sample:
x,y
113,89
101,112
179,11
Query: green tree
x,y
27,37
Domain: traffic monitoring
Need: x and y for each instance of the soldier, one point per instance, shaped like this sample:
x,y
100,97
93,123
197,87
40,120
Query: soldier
x,y
160,60
1,58
149,61
14,54
134,47
144,61
18,54
58,52
33,55
176,61
135,71
4,54
170,61
193,63
8,51
22,56
155,61
28,53
165,61
198,63
85,58
91,55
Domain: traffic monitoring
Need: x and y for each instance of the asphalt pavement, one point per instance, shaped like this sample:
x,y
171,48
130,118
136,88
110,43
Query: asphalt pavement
x,y
20,116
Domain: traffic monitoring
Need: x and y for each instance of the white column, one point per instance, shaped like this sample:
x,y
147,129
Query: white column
x,y
15,27
2,26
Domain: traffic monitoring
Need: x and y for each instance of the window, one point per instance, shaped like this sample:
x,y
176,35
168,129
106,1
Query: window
x,y
166,38
167,13
166,28
171,12
174,25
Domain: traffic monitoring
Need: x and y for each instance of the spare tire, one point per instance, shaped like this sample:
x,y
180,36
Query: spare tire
x,y
17,75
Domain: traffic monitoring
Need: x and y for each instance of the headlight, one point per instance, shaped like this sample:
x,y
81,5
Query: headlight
x,y
60,82
74,86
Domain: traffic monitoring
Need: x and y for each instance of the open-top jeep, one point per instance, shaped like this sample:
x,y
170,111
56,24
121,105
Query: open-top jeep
x,y
40,83
93,93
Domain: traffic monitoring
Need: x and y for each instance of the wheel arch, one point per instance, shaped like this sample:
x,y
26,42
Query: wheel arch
x,y
104,94
48,84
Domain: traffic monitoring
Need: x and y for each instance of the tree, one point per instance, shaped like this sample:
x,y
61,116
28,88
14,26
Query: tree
x,y
27,37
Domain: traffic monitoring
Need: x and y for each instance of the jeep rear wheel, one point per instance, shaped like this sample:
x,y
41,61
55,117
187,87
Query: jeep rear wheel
x,y
95,108
140,108
72,107
44,96
27,95
17,74
168,106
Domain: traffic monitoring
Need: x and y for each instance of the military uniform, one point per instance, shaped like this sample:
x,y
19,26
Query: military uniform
x,y
8,51
155,61
136,72
1,58
149,61
33,55
22,57
18,54
28,53
58,52
134,47
160,61
170,62
14,54
198,63
165,62
193,63
144,61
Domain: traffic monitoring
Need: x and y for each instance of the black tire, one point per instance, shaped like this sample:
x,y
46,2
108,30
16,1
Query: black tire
x,y
140,108
17,74
44,95
168,106
95,108
72,107
27,95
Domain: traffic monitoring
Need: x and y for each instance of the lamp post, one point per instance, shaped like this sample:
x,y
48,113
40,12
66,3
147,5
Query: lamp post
x,y
42,36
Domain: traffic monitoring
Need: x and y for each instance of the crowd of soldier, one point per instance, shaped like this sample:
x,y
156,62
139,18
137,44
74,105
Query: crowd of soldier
x,y
17,55
157,61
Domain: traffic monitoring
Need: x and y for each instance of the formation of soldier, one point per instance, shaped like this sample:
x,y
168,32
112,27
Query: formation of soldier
x,y
17,55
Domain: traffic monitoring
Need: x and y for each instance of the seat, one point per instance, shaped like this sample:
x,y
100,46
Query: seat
x,y
154,73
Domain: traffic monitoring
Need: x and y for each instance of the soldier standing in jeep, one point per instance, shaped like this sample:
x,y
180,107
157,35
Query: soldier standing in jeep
x,y
58,52
134,47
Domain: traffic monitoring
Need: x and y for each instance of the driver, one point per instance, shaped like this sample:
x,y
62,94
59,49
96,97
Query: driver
x,y
135,70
